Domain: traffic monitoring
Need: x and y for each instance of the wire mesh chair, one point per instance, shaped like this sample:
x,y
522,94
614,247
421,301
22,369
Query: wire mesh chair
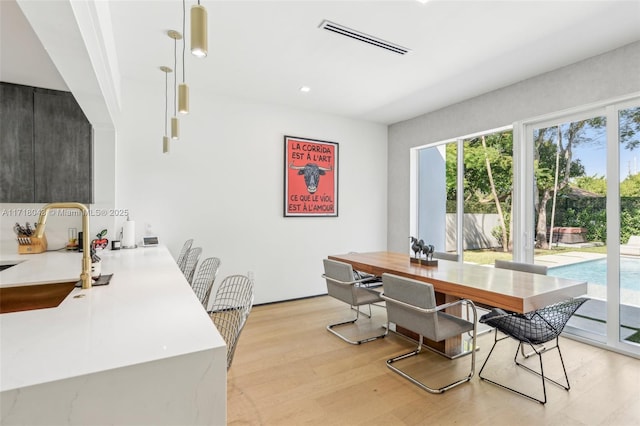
x,y
182,257
230,310
533,328
411,304
191,262
204,279
341,285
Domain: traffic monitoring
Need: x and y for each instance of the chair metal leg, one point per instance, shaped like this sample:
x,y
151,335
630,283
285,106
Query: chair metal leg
x,y
357,308
539,374
331,327
423,385
539,352
527,355
479,333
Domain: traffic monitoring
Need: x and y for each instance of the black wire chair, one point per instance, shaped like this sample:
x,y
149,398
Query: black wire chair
x,y
534,329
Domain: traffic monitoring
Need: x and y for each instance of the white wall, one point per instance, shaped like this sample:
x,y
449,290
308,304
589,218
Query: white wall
x,y
222,184
602,77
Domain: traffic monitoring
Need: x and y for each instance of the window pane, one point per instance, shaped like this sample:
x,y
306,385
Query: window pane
x,y
570,169
488,192
437,168
629,139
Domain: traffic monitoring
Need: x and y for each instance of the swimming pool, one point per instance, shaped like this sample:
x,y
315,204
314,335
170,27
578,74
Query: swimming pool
x,y
595,272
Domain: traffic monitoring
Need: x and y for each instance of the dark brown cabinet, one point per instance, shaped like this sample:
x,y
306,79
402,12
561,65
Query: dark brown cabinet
x,y
46,147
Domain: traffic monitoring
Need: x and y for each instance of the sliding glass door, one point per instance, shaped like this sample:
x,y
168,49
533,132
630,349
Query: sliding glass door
x,y
629,207
580,206
569,209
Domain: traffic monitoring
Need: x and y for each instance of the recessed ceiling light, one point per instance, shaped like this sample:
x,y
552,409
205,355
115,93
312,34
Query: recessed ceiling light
x,y
305,89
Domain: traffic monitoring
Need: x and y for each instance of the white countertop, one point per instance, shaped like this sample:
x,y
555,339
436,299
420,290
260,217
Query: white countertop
x,y
147,312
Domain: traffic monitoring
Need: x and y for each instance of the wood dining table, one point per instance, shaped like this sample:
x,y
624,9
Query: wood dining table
x,y
485,285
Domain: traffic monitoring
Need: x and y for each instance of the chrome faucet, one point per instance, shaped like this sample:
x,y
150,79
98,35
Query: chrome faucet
x,y
85,276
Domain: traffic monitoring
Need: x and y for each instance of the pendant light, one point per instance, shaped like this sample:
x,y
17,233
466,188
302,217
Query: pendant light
x,y
165,138
175,123
199,44
183,89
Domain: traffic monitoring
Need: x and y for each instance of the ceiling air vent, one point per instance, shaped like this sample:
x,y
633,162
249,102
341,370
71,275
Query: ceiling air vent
x,y
357,35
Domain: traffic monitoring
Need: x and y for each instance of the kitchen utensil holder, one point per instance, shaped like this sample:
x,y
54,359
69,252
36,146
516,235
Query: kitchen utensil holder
x,y
31,245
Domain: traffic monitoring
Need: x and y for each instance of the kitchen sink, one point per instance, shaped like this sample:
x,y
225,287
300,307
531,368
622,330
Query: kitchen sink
x,y
4,264
30,297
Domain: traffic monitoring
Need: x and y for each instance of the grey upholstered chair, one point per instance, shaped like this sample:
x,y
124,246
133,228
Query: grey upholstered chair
x,y
518,266
523,267
182,257
230,309
411,304
534,329
342,286
204,279
191,262
454,257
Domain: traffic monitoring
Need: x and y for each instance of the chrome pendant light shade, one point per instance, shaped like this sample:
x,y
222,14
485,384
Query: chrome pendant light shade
x,y
175,128
183,98
199,31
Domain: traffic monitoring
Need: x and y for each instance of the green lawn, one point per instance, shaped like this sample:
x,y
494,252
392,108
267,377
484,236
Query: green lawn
x,y
488,257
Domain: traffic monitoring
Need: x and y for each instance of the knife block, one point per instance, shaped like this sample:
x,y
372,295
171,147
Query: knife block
x,y
35,245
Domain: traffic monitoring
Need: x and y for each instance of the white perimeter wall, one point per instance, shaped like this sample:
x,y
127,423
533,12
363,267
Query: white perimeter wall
x,y
222,184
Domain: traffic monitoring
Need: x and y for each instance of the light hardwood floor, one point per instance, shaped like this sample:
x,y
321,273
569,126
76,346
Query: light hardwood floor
x,y
289,370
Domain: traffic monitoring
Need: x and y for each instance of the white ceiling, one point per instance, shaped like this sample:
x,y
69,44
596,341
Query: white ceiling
x,y
266,50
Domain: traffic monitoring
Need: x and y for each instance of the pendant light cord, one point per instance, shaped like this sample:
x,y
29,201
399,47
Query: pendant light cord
x,y
166,101
184,38
175,77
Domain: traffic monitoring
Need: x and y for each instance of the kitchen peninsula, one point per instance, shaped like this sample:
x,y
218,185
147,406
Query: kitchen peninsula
x,y
140,350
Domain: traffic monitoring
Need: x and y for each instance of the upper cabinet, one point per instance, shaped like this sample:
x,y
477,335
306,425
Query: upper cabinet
x,y
46,147
16,144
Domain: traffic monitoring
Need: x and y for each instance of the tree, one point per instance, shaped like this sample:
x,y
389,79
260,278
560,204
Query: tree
x,y
596,184
554,145
488,176
630,187
629,127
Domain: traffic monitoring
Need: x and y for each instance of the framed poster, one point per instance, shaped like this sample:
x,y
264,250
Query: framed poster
x,y
310,177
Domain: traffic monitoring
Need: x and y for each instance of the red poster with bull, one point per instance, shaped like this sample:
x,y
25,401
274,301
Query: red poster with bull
x,y
310,177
